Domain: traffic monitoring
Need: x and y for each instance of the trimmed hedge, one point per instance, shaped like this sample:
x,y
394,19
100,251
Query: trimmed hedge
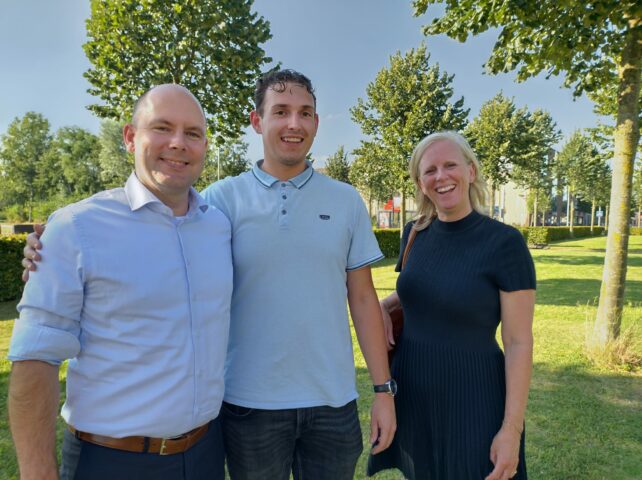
x,y
389,240
536,236
636,231
10,269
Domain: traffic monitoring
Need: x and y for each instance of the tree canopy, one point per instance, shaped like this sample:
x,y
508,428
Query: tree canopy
x,y
116,164
337,166
407,100
223,161
497,134
211,47
23,148
77,153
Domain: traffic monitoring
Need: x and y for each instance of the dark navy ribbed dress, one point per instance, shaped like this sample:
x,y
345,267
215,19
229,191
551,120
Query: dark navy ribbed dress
x,y
448,365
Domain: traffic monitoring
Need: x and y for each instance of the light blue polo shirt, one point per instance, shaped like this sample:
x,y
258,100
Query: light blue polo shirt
x,y
293,243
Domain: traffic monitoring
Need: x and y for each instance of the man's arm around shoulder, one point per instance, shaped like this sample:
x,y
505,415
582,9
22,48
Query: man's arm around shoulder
x,y
34,393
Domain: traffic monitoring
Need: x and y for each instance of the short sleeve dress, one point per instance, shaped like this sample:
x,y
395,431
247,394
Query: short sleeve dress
x,y
448,365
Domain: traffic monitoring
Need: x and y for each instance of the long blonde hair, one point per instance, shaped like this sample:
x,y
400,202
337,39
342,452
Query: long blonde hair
x,y
426,210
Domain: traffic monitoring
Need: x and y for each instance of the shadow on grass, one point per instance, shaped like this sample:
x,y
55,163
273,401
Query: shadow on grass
x,y
583,260
8,310
583,424
575,291
580,425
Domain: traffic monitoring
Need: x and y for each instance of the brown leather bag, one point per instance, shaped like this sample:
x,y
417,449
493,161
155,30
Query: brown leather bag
x,y
396,315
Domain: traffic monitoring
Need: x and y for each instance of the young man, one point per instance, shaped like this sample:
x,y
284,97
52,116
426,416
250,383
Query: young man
x,y
301,243
144,320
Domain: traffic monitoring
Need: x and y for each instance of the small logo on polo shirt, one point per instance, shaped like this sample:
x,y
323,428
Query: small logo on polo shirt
x,y
324,217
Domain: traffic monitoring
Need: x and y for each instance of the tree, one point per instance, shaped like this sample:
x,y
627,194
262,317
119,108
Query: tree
x,y
598,47
533,169
407,101
637,191
228,160
23,148
368,173
592,183
572,161
210,47
116,164
497,136
77,153
337,166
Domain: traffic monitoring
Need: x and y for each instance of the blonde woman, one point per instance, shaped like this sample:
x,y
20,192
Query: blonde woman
x,y
461,399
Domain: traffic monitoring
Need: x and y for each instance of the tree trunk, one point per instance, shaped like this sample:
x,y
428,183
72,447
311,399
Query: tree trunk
x,y
606,217
402,210
627,132
571,214
592,215
559,200
30,205
535,209
568,206
639,216
491,214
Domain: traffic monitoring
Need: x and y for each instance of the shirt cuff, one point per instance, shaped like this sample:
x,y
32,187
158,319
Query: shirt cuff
x,y
40,342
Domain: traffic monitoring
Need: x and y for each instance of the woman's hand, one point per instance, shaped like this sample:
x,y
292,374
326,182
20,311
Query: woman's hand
x,y
387,325
504,453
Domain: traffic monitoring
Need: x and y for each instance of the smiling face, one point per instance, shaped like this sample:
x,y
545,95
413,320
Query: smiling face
x,y
169,143
445,177
288,124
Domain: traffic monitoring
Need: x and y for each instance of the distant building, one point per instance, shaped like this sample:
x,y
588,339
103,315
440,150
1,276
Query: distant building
x,y
510,205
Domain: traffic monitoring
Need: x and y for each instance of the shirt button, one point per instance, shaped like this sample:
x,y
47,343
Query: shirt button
x,y
284,212
284,197
283,184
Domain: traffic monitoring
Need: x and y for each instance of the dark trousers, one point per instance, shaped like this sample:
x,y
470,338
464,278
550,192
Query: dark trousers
x,y
317,443
86,461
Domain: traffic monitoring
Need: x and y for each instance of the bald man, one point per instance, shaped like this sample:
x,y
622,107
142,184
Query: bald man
x,y
146,345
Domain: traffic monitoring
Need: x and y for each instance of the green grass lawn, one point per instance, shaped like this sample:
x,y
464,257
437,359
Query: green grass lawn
x,y
583,422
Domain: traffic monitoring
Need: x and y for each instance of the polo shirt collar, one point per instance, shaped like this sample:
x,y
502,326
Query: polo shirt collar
x,y
268,180
138,196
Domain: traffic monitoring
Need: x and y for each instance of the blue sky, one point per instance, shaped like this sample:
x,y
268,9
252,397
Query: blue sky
x,y
339,44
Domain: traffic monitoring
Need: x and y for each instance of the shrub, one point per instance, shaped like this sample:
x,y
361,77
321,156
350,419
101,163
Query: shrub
x,y
10,269
389,240
536,236
636,231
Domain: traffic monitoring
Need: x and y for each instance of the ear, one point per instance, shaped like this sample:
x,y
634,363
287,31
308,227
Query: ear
x,y
316,122
255,121
129,131
473,172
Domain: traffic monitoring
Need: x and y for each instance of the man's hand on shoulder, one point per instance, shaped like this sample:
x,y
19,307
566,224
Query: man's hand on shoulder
x,y
30,252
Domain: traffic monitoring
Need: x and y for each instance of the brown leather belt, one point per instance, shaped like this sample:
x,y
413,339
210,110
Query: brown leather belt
x,y
161,446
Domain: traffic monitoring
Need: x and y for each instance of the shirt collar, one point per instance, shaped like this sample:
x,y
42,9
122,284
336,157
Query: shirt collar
x,y
268,180
138,196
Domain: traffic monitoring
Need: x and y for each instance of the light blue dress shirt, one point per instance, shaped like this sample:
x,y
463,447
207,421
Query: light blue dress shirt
x,y
139,300
293,243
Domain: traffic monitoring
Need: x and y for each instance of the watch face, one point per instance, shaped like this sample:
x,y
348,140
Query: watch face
x,y
389,387
393,386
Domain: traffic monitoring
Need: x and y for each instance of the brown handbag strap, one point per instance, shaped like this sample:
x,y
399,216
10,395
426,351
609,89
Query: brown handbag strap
x,y
411,239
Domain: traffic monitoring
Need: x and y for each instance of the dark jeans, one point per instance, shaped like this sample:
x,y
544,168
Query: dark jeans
x,y
317,443
86,461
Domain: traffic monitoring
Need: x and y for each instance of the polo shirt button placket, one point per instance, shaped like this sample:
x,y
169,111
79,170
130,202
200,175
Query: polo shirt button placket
x,y
283,207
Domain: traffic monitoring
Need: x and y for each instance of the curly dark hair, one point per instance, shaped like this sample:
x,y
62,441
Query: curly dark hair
x,y
276,80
